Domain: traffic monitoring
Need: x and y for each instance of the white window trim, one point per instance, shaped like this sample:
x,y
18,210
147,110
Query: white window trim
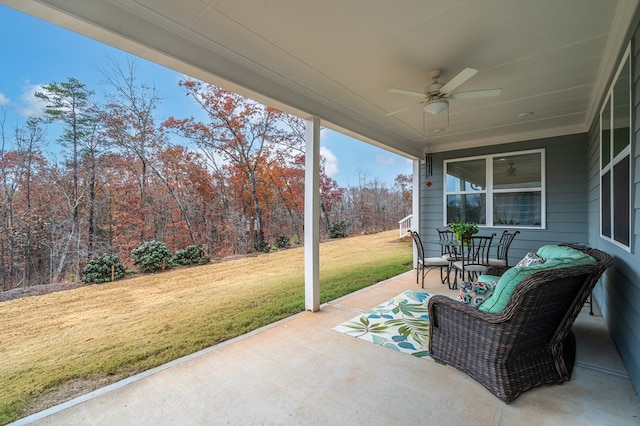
x,y
609,96
489,191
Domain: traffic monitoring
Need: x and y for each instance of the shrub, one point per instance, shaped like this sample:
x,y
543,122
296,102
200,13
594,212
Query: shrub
x,y
283,242
98,270
262,247
151,256
190,255
339,230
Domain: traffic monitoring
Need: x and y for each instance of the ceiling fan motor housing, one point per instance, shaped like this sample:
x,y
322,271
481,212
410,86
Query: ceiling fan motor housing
x,y
433,89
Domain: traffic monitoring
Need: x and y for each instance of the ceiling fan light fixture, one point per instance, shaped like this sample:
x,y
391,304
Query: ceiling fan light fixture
x,y
436,106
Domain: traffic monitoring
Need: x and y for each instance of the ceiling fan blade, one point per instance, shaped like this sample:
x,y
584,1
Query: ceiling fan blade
x,y
476,94
402,109
406,92
456,81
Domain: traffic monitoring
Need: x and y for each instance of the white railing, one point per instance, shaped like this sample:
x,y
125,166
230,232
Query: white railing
x,y
405,225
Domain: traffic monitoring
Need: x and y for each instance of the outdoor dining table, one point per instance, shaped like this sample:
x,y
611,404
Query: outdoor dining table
x,y
454,252
458,244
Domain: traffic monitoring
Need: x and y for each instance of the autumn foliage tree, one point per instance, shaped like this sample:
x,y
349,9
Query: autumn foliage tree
x,y
117,176
23,225
249,137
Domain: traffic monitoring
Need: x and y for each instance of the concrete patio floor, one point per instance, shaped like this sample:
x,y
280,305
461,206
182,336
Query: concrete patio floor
x,y
300,371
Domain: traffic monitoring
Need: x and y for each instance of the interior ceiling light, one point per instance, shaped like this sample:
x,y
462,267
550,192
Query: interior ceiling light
x,y
436,106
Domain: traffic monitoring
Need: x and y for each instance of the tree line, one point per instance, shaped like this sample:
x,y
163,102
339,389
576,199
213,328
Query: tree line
x,y
231,183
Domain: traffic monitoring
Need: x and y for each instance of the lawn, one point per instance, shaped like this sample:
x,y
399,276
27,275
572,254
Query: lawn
x,y
60,345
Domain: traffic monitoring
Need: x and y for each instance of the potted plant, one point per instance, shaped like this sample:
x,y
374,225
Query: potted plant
x,y
463,229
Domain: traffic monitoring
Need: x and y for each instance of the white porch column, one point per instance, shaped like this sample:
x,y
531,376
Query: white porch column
x,y
415,207
312,216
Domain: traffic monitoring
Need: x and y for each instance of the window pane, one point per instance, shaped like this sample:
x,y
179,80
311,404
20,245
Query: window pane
x,y
621,205
468,175
606,133
517,208
621,110
467,207
615,181
517,171
606,204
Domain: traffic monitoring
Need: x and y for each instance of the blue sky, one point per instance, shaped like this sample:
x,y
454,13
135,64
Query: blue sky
x,y
36,53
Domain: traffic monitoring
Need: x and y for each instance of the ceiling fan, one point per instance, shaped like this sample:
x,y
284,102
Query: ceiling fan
x,y
436,94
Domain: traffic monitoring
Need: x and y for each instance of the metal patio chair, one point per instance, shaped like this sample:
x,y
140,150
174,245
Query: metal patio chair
x,y
502,249
474,259
425,264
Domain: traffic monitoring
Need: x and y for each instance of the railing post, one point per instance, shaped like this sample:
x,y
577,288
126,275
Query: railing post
x,y
405,223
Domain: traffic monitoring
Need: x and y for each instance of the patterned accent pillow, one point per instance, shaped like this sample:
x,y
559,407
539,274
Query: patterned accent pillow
x,y
474,293
531,259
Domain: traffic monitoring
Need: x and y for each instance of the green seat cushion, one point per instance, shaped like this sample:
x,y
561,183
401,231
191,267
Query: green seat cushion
x,y
510,279
556,257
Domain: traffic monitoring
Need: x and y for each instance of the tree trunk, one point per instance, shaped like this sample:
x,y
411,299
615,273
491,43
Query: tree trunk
x,y
91,219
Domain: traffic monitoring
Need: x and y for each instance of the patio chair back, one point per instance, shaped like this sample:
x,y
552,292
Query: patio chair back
x,y
478,249
425,264
418,242
445,235
475,256
502,249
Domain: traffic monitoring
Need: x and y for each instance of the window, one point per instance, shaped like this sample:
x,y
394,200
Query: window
x,y
496,190
615,159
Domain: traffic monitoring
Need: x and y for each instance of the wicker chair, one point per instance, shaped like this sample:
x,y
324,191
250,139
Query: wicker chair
x,y
530,342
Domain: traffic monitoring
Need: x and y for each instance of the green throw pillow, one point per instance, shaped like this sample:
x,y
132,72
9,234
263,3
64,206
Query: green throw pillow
x,y
570,255
488,278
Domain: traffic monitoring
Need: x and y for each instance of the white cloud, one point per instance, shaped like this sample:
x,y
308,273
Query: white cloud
x,y
4,100
30,106
331,161
384,160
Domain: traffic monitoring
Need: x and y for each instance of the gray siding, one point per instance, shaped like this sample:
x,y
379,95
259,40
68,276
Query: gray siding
x,y
618,293
566,191
573,214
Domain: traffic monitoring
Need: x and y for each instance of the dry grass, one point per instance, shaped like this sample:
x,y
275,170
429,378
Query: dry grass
x,y
102,333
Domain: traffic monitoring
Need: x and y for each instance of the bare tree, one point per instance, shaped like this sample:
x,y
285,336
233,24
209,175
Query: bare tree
x,y
132,126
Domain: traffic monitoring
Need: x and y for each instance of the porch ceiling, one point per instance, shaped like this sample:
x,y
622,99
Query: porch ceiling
x,y
335,59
